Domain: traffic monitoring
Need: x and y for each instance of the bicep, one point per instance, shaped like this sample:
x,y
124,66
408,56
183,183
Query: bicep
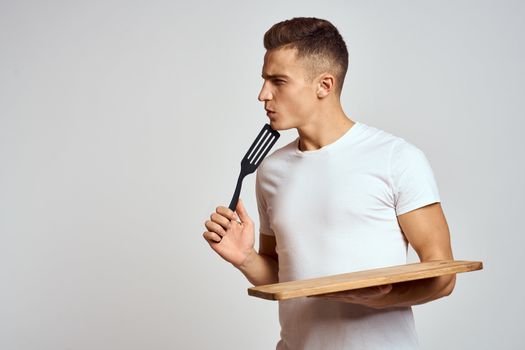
x,y
427,231
267,245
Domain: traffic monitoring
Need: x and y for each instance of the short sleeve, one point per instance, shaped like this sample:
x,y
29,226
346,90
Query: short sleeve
x,y
264,220
413,180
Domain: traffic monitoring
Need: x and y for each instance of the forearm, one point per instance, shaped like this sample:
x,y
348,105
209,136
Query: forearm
x,y
260,269
417,292
427,232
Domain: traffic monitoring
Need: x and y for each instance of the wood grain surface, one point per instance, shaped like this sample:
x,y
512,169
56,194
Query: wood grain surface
x,y
362,279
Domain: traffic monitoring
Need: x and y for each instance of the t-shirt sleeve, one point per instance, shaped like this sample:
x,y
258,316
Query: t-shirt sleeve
x,y
413,180
264,220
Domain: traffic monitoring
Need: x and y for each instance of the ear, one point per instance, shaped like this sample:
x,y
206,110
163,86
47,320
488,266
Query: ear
x,y
326,85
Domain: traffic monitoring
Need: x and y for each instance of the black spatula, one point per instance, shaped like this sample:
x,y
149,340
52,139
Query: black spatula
x,y
255,155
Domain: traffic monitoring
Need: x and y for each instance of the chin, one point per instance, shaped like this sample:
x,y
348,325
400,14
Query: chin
x,y
273,124
280,126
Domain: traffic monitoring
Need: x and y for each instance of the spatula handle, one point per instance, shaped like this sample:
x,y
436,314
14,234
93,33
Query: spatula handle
x,y
235,199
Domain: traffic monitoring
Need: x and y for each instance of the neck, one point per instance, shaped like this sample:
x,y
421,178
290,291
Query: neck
x,y
323,130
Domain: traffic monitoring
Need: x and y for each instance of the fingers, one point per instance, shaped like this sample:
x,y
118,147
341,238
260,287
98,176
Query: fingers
x,y
359,296
226,213
220,222
211,237
372,292
214,227
385,289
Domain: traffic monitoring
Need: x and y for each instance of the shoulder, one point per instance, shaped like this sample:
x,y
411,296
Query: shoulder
x,y
377,139
277,161
396,151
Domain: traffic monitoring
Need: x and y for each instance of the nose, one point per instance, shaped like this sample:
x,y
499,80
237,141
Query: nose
x,y
265,94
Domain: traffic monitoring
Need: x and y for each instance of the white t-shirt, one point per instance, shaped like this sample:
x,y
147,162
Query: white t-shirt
x,y
334,210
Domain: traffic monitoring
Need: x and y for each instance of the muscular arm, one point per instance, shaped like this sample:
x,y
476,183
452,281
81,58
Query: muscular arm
x,y
427,231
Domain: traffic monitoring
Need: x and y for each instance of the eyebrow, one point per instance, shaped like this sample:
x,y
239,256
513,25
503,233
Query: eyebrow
x,y
273,76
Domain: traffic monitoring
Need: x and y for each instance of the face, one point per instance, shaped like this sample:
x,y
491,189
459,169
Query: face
x,y
288,95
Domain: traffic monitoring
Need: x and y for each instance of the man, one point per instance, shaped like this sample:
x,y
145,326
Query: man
x,y
342,197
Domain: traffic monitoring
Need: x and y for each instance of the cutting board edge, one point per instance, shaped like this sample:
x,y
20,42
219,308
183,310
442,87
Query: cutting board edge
x,y
464,266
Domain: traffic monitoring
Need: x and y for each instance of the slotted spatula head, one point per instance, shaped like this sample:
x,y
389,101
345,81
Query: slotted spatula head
x,y
258,150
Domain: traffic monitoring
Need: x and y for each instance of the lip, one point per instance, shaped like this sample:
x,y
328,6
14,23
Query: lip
x,y
269,112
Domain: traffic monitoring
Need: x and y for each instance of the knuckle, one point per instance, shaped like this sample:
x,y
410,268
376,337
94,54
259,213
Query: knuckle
x,y
216,218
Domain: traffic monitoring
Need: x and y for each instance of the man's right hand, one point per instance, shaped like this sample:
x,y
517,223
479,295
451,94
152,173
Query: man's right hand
x,y
233,240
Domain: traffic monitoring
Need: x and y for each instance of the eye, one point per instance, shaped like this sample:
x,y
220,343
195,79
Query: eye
x,y
279,81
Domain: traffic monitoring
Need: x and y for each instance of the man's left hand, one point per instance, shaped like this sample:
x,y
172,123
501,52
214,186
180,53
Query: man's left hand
x,y
364,296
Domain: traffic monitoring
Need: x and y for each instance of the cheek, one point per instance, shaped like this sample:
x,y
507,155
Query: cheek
x,y
298,95
301,102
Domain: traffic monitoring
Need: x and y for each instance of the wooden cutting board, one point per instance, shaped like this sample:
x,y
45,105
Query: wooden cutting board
x,y
362,279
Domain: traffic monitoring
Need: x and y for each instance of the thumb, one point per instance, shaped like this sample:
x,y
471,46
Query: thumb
x,y
243,215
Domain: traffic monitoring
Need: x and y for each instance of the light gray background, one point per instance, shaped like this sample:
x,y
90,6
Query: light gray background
x,y
122,125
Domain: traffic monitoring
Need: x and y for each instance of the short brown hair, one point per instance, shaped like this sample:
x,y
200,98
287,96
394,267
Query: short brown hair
x,y
316,40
